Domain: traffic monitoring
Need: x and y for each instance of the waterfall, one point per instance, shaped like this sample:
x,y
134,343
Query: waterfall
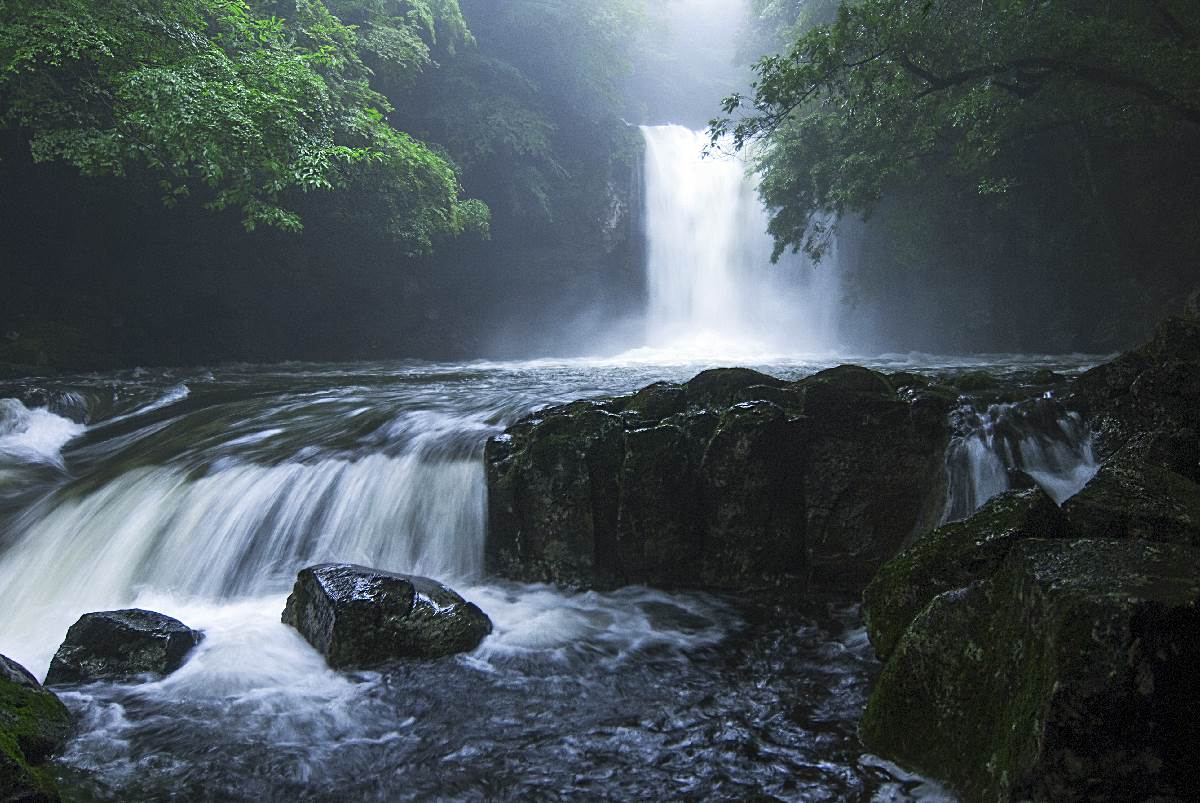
x,y
1011,445
232,520
712,287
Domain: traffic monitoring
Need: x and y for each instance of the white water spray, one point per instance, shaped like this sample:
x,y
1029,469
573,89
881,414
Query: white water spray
x,y
713,289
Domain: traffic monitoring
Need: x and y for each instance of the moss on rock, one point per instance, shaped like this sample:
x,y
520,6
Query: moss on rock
x,y
953,557
33,725
1067,675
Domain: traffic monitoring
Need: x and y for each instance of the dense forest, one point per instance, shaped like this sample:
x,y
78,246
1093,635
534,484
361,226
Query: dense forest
x,y
210,180
1008,175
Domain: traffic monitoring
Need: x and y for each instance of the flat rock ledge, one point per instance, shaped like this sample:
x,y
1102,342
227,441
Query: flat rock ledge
x,y
359,617
122,645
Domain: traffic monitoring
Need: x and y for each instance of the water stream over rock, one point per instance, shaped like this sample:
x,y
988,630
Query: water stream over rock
x,y
201,494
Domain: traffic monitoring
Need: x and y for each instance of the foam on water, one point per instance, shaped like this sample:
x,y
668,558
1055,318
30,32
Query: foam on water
x,y
34,436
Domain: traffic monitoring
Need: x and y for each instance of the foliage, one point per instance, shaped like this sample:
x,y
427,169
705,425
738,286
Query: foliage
x,y
528,112
244,105
892,90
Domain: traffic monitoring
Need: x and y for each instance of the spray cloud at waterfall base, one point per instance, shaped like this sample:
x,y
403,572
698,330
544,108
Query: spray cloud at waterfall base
x,y
713,291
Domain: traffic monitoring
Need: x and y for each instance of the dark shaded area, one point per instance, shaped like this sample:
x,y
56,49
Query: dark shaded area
x,y
98,273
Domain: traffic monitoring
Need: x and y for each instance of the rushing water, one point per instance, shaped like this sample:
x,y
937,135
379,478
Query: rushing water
x,y
1049,445
712,285
201,494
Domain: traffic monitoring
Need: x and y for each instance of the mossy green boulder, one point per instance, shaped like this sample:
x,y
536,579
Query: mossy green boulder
x,y
953,557
1067,675
33,725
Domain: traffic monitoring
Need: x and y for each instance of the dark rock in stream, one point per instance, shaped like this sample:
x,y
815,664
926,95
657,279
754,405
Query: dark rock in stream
x,y
1147,398
34,724
733,479
952,557
1035,653
1069,674
1132,497
121,645
358,617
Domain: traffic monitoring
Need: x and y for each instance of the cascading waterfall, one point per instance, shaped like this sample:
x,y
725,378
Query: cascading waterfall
x,y
231,520
1037,439
712,287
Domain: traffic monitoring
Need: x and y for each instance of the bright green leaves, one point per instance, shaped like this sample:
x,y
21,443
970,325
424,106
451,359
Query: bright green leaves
x,y
891,87
242,106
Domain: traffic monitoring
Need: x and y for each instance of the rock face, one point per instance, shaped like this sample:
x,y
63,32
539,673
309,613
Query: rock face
x,y
358,617
33,725
951,557
1043,654
1147,399
732,478
121,645
1067,675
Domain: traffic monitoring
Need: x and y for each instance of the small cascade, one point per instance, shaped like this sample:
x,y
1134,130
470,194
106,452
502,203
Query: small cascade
x,y
713,289
230,521
1013,446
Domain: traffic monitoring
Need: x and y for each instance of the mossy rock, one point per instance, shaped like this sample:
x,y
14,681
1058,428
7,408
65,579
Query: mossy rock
x,y
1134,498
953,556
1069,675
718,388
975,381
750,484
658,401
851,378
34,724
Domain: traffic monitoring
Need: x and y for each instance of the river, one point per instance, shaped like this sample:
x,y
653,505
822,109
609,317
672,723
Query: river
x,y
201,493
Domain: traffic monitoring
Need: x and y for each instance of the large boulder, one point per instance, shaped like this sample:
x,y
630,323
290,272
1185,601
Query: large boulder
x,y
953,557
358,617
121,645
1132,497
873,469
1069,674
751,495
34,724
732,478
553,489
1149,397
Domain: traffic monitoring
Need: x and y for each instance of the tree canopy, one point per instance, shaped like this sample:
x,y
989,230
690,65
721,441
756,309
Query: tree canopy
x,y
890,88
244,104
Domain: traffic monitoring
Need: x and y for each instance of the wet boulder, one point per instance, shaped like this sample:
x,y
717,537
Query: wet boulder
x,y
952,557
752,497
658,401
720,387
744,479
1069,674
1138,498
873,471
359,617
121,645
553,497
1150,394
659,530
34,724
